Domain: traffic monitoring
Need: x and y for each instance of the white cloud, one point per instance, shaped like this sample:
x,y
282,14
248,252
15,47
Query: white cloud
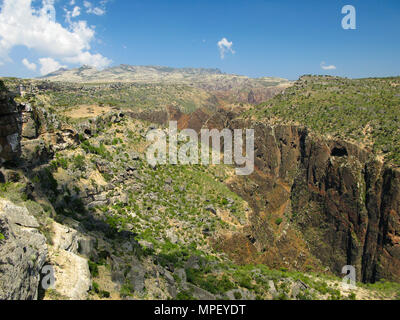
x,y
76,12
49,65
224,47
29,65
70,14
98,11
38,30
95,60
325,67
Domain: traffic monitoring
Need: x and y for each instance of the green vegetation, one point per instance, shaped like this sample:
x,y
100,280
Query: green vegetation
x,y
102,293
166,217
385,287
366,111
210,282
63,96
185,295
94,270
126,290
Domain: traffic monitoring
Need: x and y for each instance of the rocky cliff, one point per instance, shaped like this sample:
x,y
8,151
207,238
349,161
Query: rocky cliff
x,y
96,211
10,126
23,252
339,205
23,249
344,202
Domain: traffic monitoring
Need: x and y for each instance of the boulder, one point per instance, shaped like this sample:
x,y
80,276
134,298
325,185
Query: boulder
x,y
199,293
146,244
136,278
181,274
211,209
240,294
171,235
72,275
298,287
71,272
272,290
65,238
23,253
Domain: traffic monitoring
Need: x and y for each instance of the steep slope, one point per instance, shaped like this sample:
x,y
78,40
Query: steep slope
x,y
10,126
135,231
344,202
327,155
364,111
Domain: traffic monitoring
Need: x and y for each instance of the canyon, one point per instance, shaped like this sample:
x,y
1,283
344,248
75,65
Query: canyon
x,y
90,202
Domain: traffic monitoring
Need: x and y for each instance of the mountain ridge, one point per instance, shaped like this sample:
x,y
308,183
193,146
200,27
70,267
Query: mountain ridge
x,y
151,73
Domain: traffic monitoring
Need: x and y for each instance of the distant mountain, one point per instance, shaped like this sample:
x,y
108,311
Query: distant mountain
x,y
212,79
228,87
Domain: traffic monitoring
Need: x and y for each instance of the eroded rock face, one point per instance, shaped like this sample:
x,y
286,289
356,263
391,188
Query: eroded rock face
x,y
23,253
345,203
72,275
347,206
10,126
71,271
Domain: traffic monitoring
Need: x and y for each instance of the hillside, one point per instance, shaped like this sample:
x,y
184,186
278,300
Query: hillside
x,y
364,111
204,78
232,88
78,176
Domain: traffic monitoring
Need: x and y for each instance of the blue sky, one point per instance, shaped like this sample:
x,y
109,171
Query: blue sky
x,y
283,38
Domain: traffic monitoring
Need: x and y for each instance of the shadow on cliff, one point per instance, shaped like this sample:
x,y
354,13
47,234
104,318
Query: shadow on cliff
x,y
10,129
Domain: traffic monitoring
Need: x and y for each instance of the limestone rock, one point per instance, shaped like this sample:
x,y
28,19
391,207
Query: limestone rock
x,y
71,272
298,287
272,288
65,238
240,294
199,293
72,275
146,244
23,253
10,126
136,278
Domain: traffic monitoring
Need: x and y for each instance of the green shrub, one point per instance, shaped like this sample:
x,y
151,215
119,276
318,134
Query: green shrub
x,y
95,287
352,296
126,290
104,294
47,180
79,162
94,269
237,295
185,295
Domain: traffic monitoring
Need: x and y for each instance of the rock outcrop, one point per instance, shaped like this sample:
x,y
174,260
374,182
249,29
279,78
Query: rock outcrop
x,y
23,253
71,271
10,126
345,203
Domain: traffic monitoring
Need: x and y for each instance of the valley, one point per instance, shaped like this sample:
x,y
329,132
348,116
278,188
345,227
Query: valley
x,y
325,191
